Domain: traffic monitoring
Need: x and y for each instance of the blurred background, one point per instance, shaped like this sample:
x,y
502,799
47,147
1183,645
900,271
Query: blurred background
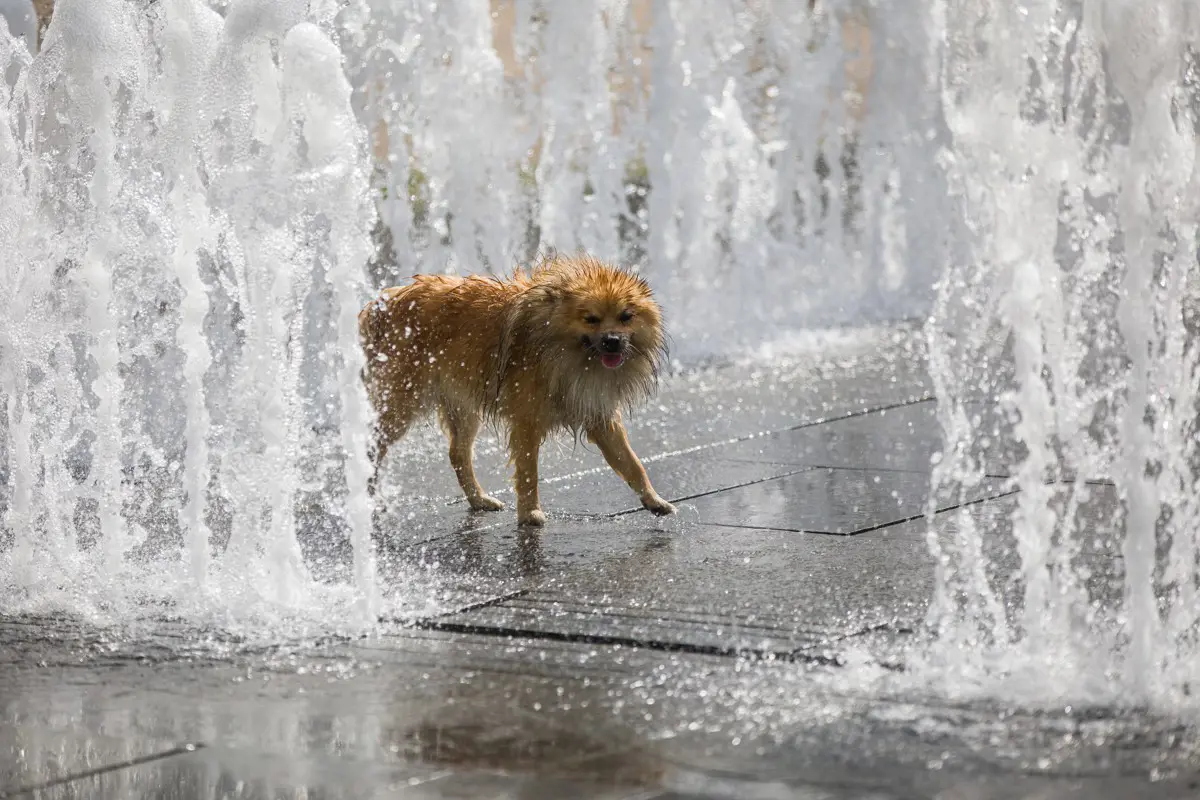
x,y
720,148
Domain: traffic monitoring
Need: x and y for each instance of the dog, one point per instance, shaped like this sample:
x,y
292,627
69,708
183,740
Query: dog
x,y
566,345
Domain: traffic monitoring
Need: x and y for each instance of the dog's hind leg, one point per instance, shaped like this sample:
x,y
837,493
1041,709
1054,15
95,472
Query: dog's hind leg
x,y
461,428
378,452
394,420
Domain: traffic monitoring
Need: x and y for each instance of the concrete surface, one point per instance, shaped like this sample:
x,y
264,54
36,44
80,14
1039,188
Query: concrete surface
x,y
613,654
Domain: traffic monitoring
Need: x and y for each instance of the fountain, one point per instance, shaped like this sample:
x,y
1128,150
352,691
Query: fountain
x,y
186,194
1073,129
195,203
190,194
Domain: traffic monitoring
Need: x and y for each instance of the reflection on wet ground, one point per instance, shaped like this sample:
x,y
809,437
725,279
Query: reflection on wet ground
x,y
755,647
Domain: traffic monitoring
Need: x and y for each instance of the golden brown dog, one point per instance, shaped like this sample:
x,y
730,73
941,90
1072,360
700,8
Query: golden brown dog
x,y
566,345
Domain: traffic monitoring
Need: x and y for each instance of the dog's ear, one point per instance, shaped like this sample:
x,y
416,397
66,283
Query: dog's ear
x,y
547,295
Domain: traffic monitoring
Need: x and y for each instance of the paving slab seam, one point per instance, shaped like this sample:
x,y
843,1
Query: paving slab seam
x,y
763,434
454,500
955,507
685,498
844,468
1085,481
801,468
392,548
422,623
862,412
883,627
497,661
880,627
749,653
33,789
686,616
872,528
654,614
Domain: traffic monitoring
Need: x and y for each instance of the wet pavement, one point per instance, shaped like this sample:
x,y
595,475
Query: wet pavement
x,y
740,650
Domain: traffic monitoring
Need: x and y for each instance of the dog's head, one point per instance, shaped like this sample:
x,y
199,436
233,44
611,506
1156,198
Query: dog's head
x,y
604,315
593,330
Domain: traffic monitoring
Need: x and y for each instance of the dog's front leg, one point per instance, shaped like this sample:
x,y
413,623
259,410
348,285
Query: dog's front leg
x,y
524,441
614,444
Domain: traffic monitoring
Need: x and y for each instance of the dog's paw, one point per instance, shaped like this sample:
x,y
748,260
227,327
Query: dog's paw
x,y
658,506
485,503
535,518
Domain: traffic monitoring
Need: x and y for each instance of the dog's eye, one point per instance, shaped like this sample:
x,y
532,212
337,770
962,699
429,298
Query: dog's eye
x,y
626,315
592,319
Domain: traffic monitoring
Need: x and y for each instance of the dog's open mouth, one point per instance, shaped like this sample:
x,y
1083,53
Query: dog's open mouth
x,y
612,360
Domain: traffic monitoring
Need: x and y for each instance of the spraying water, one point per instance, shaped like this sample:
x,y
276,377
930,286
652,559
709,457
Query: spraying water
x,y
722,150
188,228
194,204
189,200
1074,131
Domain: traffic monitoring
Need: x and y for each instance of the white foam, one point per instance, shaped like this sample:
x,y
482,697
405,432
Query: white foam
x,y
1085,235
185,202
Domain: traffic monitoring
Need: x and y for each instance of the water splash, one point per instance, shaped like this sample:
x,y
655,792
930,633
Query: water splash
x,y
191,235
1073,156
188,197
721,150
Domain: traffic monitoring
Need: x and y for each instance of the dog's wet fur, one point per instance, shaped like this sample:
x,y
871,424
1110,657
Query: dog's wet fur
x,y
565,345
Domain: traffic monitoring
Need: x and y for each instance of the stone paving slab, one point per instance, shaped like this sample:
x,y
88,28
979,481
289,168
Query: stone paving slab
x,y
723,653
906,437
696,408
736,400
713,589
399,712
891,443
834,501
439,715
679,478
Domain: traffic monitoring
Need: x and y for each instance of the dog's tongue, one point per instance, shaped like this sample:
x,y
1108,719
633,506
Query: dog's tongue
x,y
612,360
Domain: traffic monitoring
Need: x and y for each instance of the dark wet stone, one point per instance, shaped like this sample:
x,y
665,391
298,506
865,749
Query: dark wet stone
x,y
699,407
906,437
710,589
677,478
903,438
454,716
610,657
836,501
733,401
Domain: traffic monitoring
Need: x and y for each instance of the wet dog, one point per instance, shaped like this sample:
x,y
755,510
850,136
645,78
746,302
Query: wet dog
x,y
566,345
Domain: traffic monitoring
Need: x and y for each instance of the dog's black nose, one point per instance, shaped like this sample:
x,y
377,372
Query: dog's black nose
x,y
611,343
